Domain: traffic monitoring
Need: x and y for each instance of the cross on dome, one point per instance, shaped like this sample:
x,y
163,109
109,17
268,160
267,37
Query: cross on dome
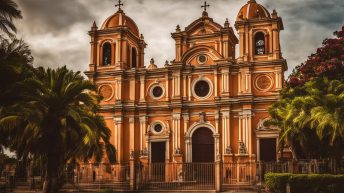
x,y
205,6
119,4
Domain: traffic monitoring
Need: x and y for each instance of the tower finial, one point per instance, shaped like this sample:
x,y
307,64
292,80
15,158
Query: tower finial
x,y
119,4
205,6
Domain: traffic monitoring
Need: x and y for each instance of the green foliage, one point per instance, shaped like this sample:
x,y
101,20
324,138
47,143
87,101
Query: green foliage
x,y
8,11
57,121
276,183
310,109
310,183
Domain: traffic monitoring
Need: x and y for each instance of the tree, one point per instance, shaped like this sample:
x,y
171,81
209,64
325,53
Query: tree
x,y
57,120
310,109
15,66
8,11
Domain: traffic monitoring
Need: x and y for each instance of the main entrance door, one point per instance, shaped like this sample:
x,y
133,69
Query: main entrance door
x,y
267,149
203,145
158,161
158,152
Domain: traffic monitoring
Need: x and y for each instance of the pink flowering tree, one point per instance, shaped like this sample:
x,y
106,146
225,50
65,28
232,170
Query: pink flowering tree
x,y
310,111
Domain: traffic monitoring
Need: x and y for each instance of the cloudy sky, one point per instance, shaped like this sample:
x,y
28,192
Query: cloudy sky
x,y
57,30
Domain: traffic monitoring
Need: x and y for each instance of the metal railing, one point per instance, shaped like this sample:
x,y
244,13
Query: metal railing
x,y
238,173
176,176
101,173
170,176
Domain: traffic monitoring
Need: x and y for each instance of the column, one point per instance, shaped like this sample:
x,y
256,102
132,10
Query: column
x,y
249,133
225,131
143,121
188,152
167,87
119,131
242,43
118,47
249,82
240,129
246,83
186,119
239,83
116,89
176,132
132,88
119,89
246,130
173,86
184,86
217,137
225,80
131,134
215,82
178,85
189,87
258,149
142,88
246,44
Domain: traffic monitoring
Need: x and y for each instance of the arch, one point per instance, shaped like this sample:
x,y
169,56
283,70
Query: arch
x,y
107,54
189,134
203,145
133,57
193,52
259,43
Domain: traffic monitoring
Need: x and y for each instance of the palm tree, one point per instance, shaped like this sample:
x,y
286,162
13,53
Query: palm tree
x,y
57,120
311,117
15,64
8,12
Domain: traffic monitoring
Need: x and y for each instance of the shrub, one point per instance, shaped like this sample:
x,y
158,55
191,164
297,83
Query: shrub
x,y
305,183
316,183
276,183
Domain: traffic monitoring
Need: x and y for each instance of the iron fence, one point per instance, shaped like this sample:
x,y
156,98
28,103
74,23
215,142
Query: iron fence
x,y
238,173
167,176
176,176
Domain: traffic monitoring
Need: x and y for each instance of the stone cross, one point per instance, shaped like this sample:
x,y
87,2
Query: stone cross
x,y
119,4
205,6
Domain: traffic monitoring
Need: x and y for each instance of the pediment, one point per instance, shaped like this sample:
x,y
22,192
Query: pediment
x,y
190,57
203,26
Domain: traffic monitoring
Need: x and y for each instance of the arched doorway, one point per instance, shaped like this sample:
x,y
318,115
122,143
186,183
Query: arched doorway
x,y
203,145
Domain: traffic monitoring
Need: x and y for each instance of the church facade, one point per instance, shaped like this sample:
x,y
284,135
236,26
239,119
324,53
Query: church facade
x,y
207,104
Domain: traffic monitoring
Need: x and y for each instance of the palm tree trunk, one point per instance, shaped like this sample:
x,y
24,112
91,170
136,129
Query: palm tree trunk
x,y
51,182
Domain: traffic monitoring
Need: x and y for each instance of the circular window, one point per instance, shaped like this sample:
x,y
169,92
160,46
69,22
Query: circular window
x,y
158,128
202,88
157,92
263,82
202,59
106,91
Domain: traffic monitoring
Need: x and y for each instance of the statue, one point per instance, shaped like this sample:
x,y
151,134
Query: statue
x,y
202,117
242,148
132,154
229,150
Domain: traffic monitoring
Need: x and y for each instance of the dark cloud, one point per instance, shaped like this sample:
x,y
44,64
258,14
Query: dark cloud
x,y
47,16
57,30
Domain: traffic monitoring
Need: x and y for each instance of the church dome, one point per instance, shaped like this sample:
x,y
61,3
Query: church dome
x,y
253,10
119,19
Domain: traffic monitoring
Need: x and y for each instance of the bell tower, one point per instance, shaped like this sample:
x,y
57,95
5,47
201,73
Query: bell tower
x,y
117,44
259,40
258,33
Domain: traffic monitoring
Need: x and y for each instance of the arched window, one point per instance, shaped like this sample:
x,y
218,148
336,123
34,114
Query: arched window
x,y
107,54
259,40
133,57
